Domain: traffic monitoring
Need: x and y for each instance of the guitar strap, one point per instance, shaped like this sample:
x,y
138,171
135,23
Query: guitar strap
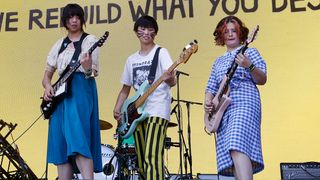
x,y
152,73
77,46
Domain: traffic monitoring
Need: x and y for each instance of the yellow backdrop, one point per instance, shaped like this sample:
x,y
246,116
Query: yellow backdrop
x,y
288,40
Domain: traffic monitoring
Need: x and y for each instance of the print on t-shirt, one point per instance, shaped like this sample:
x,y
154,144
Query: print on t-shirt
x,y
140,74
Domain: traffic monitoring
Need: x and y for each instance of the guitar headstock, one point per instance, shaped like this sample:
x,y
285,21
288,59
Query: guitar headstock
x,y
187,51
103,39
253,35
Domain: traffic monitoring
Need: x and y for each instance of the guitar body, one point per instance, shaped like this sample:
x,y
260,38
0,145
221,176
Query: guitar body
x,y
61,89
132,116
220,103
212,120
61,86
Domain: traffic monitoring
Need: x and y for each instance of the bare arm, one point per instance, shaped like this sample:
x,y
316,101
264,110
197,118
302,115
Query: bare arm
x,y
46,83
259,77
123,95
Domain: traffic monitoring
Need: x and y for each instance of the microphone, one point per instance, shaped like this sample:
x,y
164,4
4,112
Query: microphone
x,y
183,73
184,101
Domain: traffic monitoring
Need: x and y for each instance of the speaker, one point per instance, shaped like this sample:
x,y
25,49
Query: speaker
x,y
301,171
213,177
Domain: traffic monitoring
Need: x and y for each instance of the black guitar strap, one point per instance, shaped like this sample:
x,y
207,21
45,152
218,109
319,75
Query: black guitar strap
x,y
77,46
153,69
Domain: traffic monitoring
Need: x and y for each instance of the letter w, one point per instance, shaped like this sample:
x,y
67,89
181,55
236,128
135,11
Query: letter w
x,y
139,12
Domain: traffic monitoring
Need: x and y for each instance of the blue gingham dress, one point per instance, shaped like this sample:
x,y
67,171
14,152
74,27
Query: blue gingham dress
x,y
241,123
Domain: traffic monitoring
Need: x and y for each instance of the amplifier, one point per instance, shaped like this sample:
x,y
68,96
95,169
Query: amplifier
x,y
301,171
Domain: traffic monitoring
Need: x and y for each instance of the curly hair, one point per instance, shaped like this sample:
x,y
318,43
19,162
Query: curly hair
x,y
241,30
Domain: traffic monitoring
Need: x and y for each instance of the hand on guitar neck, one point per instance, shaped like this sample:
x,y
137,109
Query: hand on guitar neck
x,y
170,78
86,62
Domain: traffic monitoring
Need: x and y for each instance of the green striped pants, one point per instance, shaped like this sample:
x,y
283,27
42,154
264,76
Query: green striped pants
x,y
149,143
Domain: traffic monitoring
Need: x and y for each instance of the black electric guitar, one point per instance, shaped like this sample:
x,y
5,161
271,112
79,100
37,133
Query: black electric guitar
x,y
222,100
61,86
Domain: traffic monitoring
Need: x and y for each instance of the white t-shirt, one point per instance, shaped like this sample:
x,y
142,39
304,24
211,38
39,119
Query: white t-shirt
x,y
136,71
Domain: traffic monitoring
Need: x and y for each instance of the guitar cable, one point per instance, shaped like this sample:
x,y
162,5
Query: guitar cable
x,y
22,133
15,140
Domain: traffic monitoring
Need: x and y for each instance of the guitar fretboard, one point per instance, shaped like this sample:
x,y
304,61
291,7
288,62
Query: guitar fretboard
x,y
75,66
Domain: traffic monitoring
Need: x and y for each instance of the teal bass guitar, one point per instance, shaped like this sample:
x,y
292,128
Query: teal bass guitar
x,y
132,109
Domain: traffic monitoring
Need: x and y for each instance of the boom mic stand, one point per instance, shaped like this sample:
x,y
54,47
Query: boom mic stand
x,y
181,138
189,129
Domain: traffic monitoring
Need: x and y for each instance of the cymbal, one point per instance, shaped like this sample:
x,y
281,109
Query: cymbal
x,y
104,125
172,124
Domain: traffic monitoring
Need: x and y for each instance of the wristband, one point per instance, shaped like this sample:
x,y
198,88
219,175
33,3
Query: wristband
x,y
89,73
251,68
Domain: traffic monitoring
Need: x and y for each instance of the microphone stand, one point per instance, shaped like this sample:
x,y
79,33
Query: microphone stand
x,y
180,144
179,123
189,129
180,131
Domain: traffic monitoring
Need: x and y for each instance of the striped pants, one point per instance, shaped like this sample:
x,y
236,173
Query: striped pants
x,y
149,143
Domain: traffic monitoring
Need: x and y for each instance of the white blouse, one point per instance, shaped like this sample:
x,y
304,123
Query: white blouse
x,y
61,61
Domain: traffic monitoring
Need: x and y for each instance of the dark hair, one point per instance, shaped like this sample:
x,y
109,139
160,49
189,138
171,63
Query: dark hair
x,y
241,29
71,10
147,22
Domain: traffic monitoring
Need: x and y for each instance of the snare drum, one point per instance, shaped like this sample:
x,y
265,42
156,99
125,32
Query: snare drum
x,y
109,170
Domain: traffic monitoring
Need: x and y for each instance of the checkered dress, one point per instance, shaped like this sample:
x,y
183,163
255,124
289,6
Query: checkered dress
x,y
241,124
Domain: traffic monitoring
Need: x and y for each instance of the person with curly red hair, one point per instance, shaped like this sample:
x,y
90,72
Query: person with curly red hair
x,y
238,145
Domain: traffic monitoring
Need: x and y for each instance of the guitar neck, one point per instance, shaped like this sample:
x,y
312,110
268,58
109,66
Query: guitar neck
x,y
143,98
93,47
231,71
234,65
73,68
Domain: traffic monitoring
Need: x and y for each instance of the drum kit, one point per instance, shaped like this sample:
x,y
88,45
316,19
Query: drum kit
x,y
121,162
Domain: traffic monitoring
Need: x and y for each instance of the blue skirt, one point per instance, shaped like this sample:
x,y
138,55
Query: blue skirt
x,y
74,127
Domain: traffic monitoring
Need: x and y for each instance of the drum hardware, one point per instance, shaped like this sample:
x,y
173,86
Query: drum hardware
x,y
109,164
104,125
168,143
132,163
126,157
108,169
172,124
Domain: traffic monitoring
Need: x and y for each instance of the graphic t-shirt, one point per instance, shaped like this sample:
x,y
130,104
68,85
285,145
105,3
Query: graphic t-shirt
x,y
136,71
